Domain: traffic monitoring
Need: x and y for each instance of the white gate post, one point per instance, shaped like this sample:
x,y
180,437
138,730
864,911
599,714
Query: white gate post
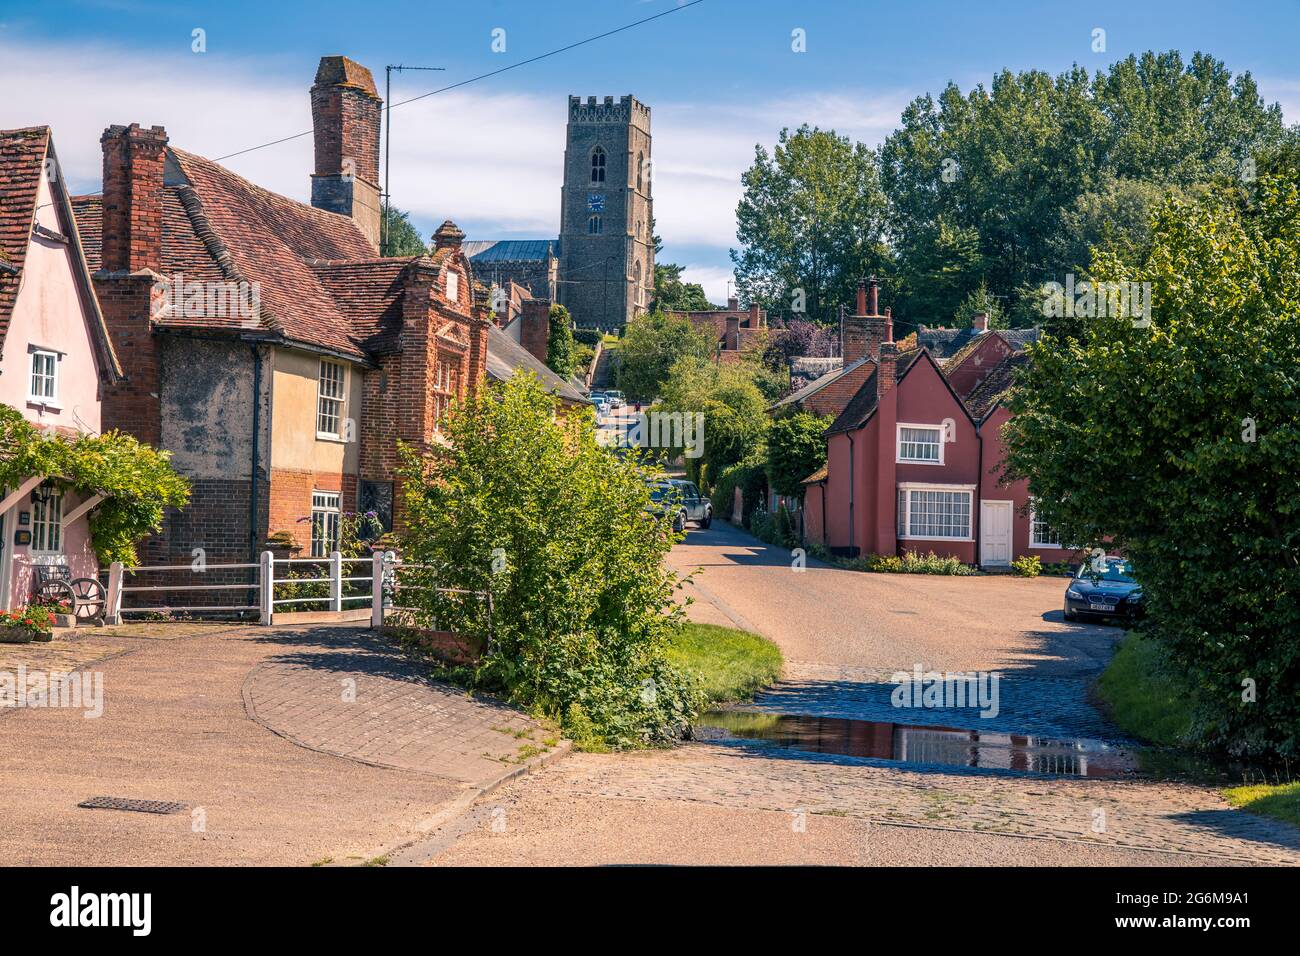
x,y
113,602
267,576
336,581
377,589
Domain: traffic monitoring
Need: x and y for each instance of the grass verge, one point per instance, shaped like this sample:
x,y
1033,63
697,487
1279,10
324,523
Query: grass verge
x,y
732,665
1278,800
1145,701
1141,697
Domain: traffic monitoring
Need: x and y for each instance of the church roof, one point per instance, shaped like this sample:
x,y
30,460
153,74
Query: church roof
x,y
509,250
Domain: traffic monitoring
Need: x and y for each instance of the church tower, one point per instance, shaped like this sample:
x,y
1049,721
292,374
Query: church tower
x,y
606,249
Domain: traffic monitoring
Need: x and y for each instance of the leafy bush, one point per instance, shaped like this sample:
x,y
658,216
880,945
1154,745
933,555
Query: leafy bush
x,y
1028,566
137,481
588,337
750,476
524,504
1178,444
560,347
796,447
775,528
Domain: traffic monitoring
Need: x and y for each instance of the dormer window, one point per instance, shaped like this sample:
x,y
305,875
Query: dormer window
x,y
453,285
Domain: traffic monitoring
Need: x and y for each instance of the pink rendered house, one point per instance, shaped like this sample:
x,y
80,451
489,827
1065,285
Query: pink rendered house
x,y
914,460
55,356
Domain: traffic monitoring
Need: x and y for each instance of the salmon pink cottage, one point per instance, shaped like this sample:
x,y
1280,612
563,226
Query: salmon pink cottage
x,y
57,473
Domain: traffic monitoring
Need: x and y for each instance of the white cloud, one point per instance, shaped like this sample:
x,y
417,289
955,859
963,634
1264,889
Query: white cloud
x,y
491,160
715,280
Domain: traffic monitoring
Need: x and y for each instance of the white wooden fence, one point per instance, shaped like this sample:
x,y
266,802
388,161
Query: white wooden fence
x,y
381,575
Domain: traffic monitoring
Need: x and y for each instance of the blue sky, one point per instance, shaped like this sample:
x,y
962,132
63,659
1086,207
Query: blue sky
x,y
720,76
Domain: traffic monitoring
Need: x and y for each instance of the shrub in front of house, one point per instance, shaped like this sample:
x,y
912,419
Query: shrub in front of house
x,y
776,527
1027,565
525,505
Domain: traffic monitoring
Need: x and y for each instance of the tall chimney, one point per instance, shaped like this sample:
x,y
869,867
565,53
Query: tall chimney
x,y
865,331
133,193
980,322
346,111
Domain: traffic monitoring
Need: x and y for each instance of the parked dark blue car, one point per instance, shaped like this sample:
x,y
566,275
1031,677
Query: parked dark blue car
x,y
1103,587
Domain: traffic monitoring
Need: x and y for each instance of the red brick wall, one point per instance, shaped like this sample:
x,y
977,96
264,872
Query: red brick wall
x,y
133,182
535,330
289,501
133,404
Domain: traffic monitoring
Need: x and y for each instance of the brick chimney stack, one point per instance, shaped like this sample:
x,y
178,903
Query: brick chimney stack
x,y
865,331
886,368
133,191
535,327
346,112
448,236
980,322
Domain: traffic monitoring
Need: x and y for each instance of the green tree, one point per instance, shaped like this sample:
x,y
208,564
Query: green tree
x,y
810,223
1023,165
1179,444
522,502
650,345
734,410
796,447
672,294
561,350
980,300
400,237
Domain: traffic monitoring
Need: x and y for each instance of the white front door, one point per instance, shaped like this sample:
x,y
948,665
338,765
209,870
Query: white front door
x,y
995,532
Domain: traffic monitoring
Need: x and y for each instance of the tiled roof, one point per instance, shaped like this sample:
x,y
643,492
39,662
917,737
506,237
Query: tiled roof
x,y
812,388
944,343
821,474
508,250
369,293
271,240
863,402
995,387
505,357
318,280
22,156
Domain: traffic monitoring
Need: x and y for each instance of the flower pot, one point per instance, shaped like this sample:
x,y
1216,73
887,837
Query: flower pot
x,y
16,635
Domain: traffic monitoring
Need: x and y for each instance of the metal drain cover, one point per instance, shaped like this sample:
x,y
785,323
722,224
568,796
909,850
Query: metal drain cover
x,y
137,806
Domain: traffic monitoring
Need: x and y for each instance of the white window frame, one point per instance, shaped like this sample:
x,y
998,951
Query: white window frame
x,y
326,504
904,506
898,444
47,525
35,398
337,403
1033,520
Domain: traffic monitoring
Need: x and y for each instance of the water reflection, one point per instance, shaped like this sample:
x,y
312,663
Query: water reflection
x,y
907,743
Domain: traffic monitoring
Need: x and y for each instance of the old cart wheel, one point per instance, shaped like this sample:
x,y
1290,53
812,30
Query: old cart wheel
x,y
90,599
55,590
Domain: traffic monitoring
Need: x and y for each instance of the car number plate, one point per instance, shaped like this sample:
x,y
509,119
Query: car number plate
x,y
1101,607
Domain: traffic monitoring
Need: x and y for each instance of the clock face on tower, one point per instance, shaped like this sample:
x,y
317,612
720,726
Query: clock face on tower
x,y
595,202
